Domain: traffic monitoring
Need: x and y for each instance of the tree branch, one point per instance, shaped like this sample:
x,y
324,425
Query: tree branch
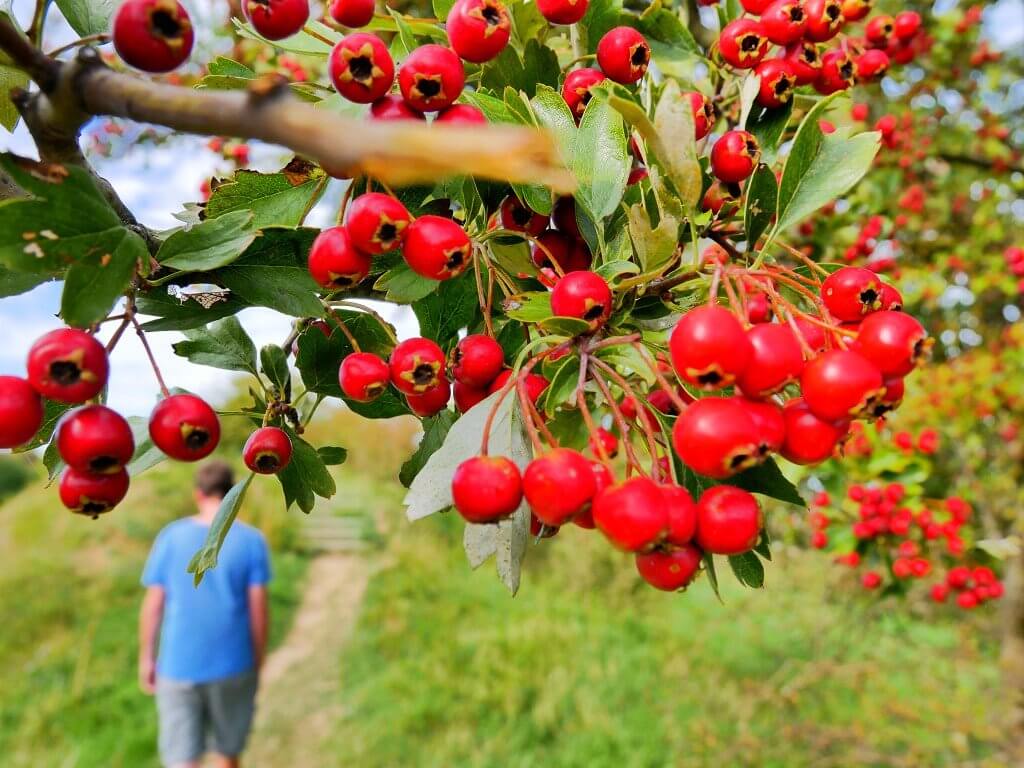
x,y
980,162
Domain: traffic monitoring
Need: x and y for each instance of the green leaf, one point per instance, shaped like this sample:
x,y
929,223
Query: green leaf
x,y
512,255
451,307
749,89
748,569
10,78
146,455
654,247
601,16
442,8
628,360
15,283
563,384
404,286
538,64
405,42
768,480
225,74
762,193
274,365
275,199
52,413
97,280
223,344
709,569
87,17
763,547
529,307
435,429
229,68
664,26
600,159
177,313
332,455
676,148
553,113
206,557
211,244
306,476
494,109
768,125
527,21
565,326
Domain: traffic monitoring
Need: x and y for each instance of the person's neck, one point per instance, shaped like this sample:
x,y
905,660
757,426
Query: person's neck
x,y
206,513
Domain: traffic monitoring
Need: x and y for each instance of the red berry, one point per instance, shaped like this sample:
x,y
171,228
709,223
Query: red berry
x,y
363,376
487,488
906,24
558,485
583,295
776,361
734,156
153,35
67,365
92,495
669,570
563,11
276,19
806,61
717,437
576,88
267,451
783,22
840,385
819,539
850,293
95,439
742,43
335,262
768,422
431,78
437,248
709,347
967,600
377,222
728,520
632,514
824,18
703,113
352,13
778,79
809,440
838,72
564,217
518,218
478,30
682,515
467,396
361,68
871,65
878,30
477,360
535,384
21,412
417,365
939,593
894,341
871,580
461,114
184,427
603,444
559,248
855,10
431,402
392,107
756,7
623,55
891,298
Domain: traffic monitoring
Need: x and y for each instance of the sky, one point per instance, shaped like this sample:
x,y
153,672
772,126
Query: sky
x,y
155,182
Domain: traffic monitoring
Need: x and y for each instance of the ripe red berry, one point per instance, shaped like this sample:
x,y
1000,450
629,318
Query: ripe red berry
x,y
21,412
871,580
461,114
703,113
840,385
431,78
153,35
417,365
535,384
871,65
776,360
276,19
632,514
806,61
851,293
603,444
67,365
267,451
431,402
734,156
623,55
92,495
669,570
377,222
478,30
558,485
742,43
363,376
563,11
466,396
824,18
809,440
487,488
392,107
184,427
682,515
334,261
728,520
554,247
602,479
838,72
576,88
894,341
709,347
755,7
477,360
878,30
361,68
855,10
353,13
783,22
95,439
518,218
583,295
939,593
778,79
437,247
906,24
768,423
890,298
967,600
717,437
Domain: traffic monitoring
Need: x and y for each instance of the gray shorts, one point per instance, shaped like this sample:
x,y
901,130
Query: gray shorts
x,y
196,718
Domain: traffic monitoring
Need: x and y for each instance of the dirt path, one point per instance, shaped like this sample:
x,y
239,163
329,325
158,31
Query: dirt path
x,y
300,681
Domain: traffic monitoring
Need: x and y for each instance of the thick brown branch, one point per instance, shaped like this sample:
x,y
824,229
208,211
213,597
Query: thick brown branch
x,y
40,67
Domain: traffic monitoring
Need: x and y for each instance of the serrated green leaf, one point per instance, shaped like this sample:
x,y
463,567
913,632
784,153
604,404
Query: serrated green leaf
x,y
494,109
768,480
677,148
442,8
709,569
404,286
275,199
15,283
10,78
538,64
529,307
206,557
553,113
332,455
654,247
211,244
563,384
435,430
664,26
768,126
146,455
748,569
306,476
98,279
274,365
447,310
565,326
87,17
759,208
600,159
223,344
601,17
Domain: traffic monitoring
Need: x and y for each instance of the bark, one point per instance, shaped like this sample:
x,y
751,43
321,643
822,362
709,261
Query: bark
x,y
1013,652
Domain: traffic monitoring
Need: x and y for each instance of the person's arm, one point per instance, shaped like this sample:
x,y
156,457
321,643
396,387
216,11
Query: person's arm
x,y
150,618
259,621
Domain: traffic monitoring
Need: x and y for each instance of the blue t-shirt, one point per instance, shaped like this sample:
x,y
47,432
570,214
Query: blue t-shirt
x,y
206,634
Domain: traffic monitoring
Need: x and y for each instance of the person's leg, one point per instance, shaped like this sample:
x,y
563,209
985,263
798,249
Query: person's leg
x,y
180,718
230,705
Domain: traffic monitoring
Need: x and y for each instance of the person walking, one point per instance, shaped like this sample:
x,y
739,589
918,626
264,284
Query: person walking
x,y
212,637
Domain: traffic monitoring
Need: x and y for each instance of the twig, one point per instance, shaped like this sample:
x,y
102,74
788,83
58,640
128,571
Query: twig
x,y
485,304
632,462
152,360
362,308
641,412
101,38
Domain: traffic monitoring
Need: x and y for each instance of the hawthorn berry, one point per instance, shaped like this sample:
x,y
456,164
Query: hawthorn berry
x,y
778,79
554,247
871,580
709,347
890,298
855,10
840,385
21,412
393,107
769,424
267,451
467,396
894,341
431,402
431,78
363,376
95,439
416,365
669,570
805,60
906,24
153,35
939,593
824,18
871,65
808,439
838,72
576,89
850,293
184,427
632,514
334,261
477,360
742,43
563,215
486,489
276,19
623,55
776,360
558,485
92,495
878,30
67,365
535,384
352,13
377,222
583,295
437,247
717,437
515,216
783,22
461,114
478,30
682,515
361,69
755,7
728,520
703,113
734,156
563,11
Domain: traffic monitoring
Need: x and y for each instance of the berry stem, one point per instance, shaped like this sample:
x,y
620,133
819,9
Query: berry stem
x,y
317,36
509,385
363,308
532,417
152,360
641,413
485,302
620,421
673,395
345,198
101,38
343,327
125,322
813,265
588,419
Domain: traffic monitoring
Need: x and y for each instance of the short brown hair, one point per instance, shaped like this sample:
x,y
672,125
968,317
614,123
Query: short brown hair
x,y
215,478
